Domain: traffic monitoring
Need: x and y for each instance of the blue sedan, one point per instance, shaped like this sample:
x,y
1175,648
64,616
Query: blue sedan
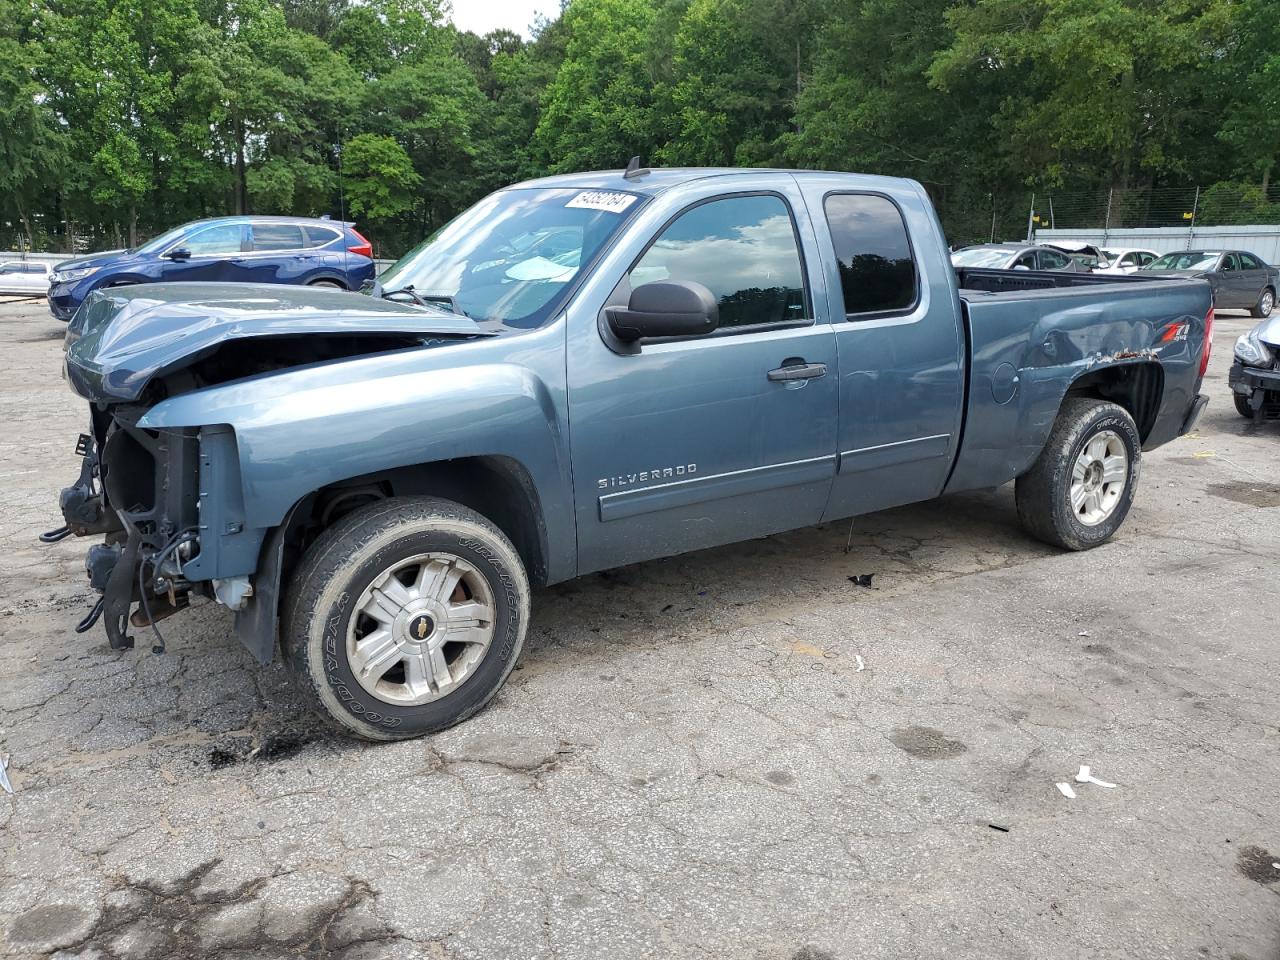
x,y
247,249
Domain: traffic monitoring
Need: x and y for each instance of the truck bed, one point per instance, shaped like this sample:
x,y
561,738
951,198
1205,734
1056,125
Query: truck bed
x,y
1034,335
977,280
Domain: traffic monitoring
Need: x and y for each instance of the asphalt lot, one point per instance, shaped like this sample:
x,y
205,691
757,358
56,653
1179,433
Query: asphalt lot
x,y
739,753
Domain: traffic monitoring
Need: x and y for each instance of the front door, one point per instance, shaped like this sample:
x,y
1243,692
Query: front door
x,y
900,344
215,252
690,443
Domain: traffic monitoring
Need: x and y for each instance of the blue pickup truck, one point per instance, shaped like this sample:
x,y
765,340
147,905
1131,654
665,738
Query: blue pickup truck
x,y
582,372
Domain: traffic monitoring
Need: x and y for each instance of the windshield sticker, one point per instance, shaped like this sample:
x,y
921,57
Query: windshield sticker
x,y
602,200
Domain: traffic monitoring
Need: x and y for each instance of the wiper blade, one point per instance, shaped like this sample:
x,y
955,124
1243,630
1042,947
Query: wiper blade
x,y
426,299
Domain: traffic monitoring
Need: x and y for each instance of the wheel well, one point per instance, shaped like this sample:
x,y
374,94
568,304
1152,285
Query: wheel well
x,y
1137,387
326,282
497,487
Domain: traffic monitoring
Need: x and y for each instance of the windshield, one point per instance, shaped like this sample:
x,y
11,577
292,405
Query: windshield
x,y
1184,261
512,256
156,244
1110,254
981,257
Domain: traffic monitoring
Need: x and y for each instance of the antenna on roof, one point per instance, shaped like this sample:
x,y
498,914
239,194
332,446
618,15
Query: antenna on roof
x,y
634,171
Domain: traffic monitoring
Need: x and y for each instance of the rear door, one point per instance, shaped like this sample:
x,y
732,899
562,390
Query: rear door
x,y
1053,260
1258,277
687,443
896,321
279,253
1236,291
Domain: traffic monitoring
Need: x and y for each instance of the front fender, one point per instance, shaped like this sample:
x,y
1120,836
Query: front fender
x,y
301,430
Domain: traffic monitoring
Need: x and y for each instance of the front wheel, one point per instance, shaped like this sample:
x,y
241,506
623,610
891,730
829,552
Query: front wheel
x,y
405,617
1079,490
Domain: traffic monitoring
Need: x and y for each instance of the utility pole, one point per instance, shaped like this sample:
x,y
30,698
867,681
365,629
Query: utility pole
x,y
1106,226
1030,216
1195,208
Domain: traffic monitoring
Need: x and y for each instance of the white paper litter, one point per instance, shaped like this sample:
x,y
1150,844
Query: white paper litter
x,y
4,776
861,666
1066,791
1086,776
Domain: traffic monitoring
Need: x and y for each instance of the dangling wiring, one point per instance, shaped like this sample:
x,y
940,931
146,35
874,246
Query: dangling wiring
x,y
156,561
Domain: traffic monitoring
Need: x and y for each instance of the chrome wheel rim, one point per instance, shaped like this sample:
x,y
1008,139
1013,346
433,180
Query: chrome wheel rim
x,y
1098,478
420,629
1268,301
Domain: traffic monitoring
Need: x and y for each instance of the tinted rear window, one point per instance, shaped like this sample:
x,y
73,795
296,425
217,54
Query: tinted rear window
x,y
877,272
319,236
277,236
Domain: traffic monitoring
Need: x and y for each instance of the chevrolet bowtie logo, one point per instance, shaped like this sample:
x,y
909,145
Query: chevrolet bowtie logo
x,y
421,627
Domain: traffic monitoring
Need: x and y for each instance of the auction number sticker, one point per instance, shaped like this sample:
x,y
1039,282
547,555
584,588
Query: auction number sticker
x,y
605,200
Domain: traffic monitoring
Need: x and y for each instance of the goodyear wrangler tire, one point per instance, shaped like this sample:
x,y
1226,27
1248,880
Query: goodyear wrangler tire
x,y
405,617
1078,492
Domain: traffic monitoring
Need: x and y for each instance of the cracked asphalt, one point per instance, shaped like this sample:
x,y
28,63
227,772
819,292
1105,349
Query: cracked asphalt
x,y
740,753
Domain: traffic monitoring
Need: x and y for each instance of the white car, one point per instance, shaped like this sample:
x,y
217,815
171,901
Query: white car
x,y
1125,260
30,277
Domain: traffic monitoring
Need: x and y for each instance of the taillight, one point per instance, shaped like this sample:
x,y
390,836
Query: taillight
x,y
1208,342
364,247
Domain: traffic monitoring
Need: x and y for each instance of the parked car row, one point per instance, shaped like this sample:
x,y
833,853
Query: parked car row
x,y
293,250
1240,280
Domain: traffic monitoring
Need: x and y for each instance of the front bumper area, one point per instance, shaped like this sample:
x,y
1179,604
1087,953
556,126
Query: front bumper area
x,y
63,300
137,488
1260,385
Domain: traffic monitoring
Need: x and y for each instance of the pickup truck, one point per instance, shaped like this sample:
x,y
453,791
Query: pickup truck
x,y
577,373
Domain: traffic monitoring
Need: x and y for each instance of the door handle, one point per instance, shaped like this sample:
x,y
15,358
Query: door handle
x,y
798,371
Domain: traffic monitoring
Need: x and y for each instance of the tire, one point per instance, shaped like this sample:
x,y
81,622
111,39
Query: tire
x,y
326,623
1266,303
1242,406
1044,494
330,284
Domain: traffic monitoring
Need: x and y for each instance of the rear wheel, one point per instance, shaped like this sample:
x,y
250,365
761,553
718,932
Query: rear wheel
x,y
330,284
1266,303
405,617
1242,406
1078,492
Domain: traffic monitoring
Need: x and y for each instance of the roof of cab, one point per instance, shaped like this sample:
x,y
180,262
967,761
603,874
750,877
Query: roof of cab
x,y
651,181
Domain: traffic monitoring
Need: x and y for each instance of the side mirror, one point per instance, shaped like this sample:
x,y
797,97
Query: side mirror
x,y
665,308
1021,266
179,253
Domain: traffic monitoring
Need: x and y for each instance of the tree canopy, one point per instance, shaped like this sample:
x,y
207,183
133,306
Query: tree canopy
x,y
121,118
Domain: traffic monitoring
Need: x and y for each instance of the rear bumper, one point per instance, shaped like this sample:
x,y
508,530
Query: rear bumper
x,y
1197,408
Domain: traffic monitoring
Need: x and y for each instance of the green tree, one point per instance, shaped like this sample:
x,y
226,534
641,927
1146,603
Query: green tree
x,y
33,147
599,110
378,176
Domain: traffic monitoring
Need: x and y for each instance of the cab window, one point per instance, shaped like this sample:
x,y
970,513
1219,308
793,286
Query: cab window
x,y
1052,260
743,249
877,272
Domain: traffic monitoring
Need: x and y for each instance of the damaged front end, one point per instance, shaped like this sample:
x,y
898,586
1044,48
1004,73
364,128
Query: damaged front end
x,y
168,502
138,489
1254,377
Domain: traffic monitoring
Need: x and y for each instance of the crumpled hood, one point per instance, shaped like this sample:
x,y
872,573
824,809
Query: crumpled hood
x,y
123,337
1269,331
